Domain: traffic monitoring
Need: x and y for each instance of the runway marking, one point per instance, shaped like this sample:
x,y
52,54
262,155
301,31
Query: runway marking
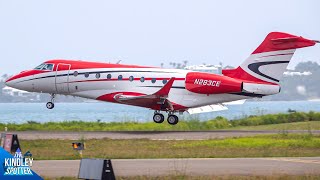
x,y
307,161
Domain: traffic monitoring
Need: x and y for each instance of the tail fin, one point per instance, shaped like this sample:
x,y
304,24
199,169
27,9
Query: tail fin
x,y
269,61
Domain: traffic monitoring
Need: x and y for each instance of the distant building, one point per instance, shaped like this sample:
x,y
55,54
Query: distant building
x,y
20,93
293,73
15,92
215,69
229,67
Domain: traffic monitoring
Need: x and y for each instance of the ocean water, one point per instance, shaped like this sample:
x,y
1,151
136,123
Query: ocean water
x,y
107,112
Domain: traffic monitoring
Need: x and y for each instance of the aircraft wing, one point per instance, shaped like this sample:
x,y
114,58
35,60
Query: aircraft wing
x,y
157,100
237,102
208,108
214,107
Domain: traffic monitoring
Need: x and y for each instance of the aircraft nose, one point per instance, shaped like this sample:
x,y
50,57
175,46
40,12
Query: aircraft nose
x,y
12,81
9,82
17,83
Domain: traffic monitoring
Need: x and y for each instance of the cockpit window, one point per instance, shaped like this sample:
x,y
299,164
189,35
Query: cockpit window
x,y
45,67
39,67
48,67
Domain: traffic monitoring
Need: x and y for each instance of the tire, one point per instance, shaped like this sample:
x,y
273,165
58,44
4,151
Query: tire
x,y
173,119
50,105
158,118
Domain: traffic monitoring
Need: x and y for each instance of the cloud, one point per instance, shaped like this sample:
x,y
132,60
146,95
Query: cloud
x,y
301,90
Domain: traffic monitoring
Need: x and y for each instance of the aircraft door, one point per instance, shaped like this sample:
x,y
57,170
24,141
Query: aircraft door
x,y
62,78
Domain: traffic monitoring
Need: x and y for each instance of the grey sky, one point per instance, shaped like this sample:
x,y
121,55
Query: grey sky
x,y
148,32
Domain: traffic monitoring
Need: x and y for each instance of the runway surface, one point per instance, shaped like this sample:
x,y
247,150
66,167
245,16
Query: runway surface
x,y
212,167
154,135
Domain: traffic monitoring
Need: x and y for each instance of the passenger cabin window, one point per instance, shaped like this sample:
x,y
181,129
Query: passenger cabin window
x,y
164,81
142,79
98,75
109,76
75,73
120,77
153,80
86,74
131,78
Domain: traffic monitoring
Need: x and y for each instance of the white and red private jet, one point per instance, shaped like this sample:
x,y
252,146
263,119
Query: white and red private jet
x,y
169,90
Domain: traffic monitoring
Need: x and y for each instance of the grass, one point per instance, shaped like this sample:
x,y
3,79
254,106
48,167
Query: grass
x,y
296,121
230,177
310,125
279,145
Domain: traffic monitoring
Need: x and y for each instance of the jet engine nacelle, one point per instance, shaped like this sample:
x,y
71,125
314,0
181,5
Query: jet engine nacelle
x,y
263,89
205,83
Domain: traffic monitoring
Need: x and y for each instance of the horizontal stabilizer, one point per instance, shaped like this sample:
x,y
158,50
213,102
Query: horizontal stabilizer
x,y
284,40
209,108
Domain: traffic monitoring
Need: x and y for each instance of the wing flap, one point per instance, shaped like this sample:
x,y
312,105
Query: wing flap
x,y
208,108
237,102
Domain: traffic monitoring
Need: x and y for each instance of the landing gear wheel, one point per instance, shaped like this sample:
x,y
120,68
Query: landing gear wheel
x,y
173,119
50,105
158,118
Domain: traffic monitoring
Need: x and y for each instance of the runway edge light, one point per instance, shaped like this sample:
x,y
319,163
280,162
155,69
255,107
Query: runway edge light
x,y
78,146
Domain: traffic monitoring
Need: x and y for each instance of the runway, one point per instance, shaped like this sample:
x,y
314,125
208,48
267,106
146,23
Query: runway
x,y
154,135
194,167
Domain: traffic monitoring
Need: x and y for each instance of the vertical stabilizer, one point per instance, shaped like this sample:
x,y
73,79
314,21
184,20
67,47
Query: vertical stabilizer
x,y
269,61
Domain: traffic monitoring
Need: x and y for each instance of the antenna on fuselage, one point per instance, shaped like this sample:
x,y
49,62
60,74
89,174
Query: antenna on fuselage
x,y
118,62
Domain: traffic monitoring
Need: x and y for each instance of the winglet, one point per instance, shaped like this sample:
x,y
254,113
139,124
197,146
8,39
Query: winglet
x,y
164,91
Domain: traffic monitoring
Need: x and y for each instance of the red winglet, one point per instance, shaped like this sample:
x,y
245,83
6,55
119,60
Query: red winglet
x,y
164,91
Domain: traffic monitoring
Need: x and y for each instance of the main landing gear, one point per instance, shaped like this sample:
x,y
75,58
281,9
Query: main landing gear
x,y
159,118
50,105
173,119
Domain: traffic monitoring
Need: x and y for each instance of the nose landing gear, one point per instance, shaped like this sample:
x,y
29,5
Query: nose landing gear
x,y
50,105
